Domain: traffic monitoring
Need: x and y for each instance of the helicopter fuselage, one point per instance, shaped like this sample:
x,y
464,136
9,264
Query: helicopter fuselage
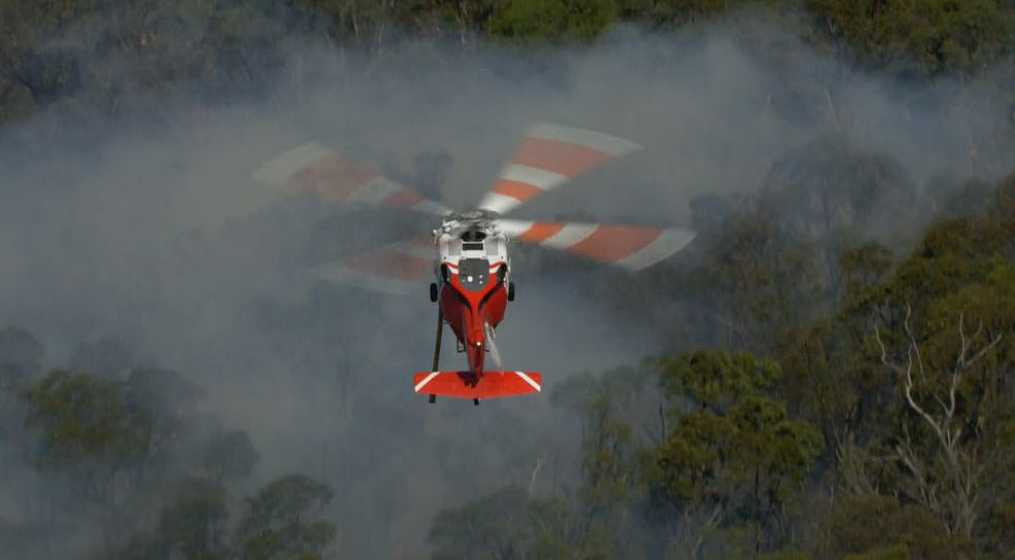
x,y
472,282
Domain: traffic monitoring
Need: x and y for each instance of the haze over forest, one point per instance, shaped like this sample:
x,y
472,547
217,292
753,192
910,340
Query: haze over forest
x,y
826,372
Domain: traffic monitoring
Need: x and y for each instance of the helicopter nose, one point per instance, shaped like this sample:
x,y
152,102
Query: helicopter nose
x,y
475,350
476,337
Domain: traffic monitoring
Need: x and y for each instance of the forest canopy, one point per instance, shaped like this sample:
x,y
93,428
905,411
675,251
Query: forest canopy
x,y
837,378
60,52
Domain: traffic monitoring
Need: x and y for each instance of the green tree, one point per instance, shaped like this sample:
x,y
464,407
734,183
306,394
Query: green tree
x,y
930,353
281,521
830,380
955,423
758,280
16,101
111,441
863,267
191,525
832,194
195,522
668,14
512,524
871,526
734,457
87,441
923,36
82,418
608,435
541,20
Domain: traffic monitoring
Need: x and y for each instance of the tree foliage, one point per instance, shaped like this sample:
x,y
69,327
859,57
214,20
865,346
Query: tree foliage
x,y
541,20
506,524
223,48
129,457
925,36
280,521
881,430
734,453
840,400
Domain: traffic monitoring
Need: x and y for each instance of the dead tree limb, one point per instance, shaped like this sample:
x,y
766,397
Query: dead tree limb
x,y
963,468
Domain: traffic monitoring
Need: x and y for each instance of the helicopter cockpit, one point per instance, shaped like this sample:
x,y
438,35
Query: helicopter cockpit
x,y
472,240
456,241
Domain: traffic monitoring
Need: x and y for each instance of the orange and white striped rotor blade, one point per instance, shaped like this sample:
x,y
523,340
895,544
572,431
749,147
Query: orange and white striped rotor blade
x,y
630,247
398,268
549,156
312,167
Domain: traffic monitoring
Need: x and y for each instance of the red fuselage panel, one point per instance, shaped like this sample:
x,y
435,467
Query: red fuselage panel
x,y
469,305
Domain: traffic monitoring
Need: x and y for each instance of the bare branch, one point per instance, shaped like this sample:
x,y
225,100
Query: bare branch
x,y
535,472
963,461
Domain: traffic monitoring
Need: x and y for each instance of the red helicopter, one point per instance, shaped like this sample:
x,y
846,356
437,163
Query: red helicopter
x,y
467,256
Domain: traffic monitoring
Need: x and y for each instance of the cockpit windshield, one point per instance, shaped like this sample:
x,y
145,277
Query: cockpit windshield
x,y
472,240
473,235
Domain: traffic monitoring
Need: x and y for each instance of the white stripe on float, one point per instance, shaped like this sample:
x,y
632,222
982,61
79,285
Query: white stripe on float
x,y
539,178
569,235
588,138
278,170
426,380
669,242
528,380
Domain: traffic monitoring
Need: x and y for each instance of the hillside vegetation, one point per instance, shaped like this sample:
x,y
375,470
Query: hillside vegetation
x,y
884,429
840,380
97,55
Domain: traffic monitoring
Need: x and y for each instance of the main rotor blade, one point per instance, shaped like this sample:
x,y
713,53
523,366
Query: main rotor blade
x,y
398,268
312,167
630,247
551,155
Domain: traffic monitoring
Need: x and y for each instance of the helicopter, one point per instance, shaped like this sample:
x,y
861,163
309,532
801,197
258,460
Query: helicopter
x,y
466,255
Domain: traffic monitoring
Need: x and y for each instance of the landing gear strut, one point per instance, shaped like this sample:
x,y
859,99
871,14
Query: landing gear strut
x,y
437,347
